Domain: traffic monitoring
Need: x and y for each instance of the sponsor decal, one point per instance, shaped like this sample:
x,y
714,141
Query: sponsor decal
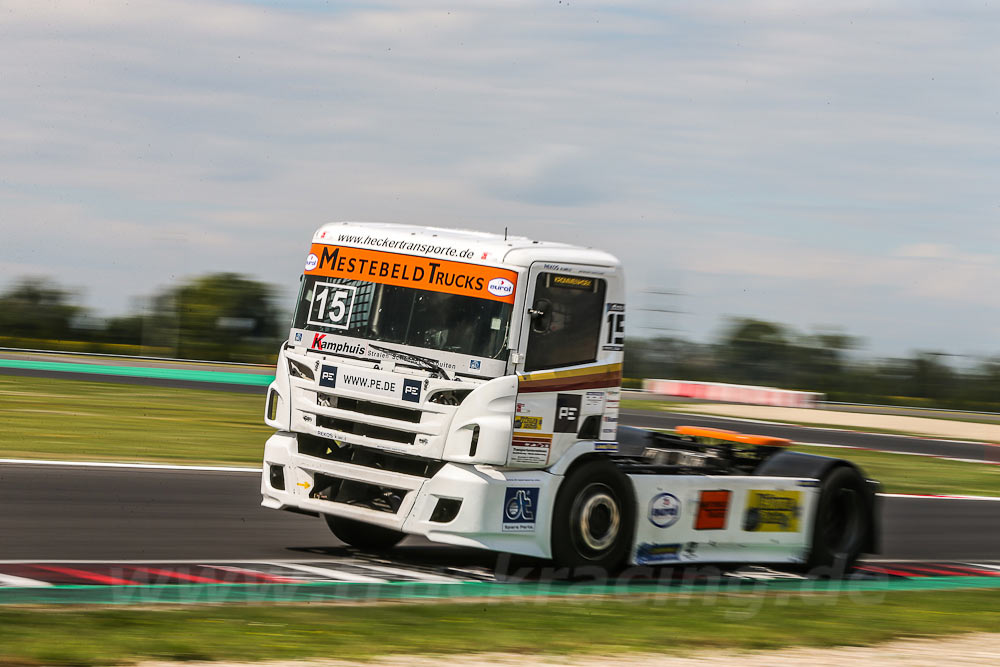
x,y
530,452
664,510
808,483
437,275
521,408
409,246
772,511
475,365
713,508
519,508
528,423
319,342
605,446
411,390
655,553
567,412
328,376
500,287
311,261
593,400
615,340
573,282
298,336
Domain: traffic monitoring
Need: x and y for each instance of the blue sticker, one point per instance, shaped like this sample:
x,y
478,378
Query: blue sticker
x,y
411,391
298,337
328,376
605,446
475,364
519,510
648,554
664,510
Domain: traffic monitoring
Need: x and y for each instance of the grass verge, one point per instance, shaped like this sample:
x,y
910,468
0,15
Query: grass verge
x,y
78,420
906,473
597,627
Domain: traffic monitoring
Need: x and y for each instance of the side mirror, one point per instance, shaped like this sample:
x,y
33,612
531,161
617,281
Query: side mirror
x,y
541,316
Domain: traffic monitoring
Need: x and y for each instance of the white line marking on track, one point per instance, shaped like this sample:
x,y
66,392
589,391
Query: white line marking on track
x,y
328,573
415,574
144,466
11,580
937,497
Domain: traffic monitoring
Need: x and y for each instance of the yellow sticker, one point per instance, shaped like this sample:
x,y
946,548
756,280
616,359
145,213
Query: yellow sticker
x,y
772,511
528,423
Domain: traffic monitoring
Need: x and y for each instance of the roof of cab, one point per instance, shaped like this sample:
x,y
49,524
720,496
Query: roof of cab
x,y
461,245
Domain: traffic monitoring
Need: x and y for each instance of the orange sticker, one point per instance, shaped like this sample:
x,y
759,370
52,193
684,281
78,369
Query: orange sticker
x,y
713,507
389,268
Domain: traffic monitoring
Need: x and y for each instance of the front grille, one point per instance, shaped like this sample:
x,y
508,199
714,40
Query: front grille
x,y
366,430
321,448
369,408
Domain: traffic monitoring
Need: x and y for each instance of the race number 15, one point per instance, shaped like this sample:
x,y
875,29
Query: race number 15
x,y
616,326
332,305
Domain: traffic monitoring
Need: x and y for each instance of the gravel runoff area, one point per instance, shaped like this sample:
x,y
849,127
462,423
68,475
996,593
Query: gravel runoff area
x,y
974,649
936,428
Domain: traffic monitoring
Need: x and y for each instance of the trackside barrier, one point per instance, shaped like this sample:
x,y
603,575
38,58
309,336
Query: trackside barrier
x,y
733,393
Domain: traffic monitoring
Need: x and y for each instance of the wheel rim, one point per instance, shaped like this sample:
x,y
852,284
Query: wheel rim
x,y
596,518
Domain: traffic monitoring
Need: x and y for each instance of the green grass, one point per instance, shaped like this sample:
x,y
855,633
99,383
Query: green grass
x,y
905,473
74,420
678,624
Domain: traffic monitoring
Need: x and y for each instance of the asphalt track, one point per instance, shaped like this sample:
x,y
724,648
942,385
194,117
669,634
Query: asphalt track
x,y
973,451
72,513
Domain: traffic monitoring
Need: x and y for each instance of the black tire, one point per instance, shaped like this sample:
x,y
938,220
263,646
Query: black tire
x,y
593,518
843,523
363,535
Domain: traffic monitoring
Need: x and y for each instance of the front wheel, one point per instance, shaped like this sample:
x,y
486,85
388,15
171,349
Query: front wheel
x,y
593,518
843,522
363,535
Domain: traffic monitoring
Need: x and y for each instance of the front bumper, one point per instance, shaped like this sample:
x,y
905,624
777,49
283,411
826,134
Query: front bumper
x,y
500,510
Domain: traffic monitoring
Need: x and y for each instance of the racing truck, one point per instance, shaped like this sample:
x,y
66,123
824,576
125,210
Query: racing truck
x,y
464,387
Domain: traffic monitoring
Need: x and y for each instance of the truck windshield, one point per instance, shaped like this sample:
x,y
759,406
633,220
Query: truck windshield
x,y
403,315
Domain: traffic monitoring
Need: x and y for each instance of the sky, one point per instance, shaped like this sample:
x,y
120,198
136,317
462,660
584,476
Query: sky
x,y
827,165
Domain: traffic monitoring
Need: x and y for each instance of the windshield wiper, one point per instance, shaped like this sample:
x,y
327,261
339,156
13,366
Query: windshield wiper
x,y
423,362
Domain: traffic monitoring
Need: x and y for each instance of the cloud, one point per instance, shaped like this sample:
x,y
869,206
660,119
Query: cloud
x,y
828,146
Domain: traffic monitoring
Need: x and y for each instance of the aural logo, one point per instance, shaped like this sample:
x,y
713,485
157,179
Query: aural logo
x,y
500,287
664,510
312,261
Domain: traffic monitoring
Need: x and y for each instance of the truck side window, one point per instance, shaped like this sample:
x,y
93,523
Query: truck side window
x,y
566,316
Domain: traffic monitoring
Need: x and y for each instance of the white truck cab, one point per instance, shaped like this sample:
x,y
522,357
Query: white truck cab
x,y
465,386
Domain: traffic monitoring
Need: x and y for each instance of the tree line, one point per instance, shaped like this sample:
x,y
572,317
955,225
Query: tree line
x,y
757,352
221,316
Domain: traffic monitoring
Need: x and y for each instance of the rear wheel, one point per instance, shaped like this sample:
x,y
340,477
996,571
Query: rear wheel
x,y
593,517
363,535
843,521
